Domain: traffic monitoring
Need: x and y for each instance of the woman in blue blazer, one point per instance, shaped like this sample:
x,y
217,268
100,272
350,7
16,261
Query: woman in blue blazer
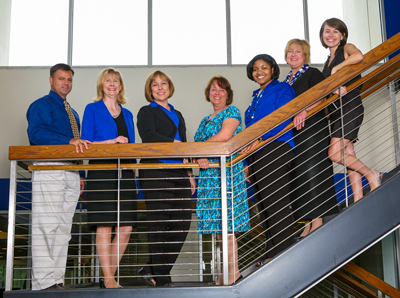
x,y
106,122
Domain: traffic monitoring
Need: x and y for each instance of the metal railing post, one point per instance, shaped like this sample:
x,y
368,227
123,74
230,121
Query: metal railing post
x,y
395,122
344,149
224,218
11,225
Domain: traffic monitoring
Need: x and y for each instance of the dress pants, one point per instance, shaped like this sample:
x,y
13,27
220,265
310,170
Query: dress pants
x,y
269,168
168,220
54,198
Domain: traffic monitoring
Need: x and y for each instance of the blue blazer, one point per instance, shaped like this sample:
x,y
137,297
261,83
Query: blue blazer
x,y
98,124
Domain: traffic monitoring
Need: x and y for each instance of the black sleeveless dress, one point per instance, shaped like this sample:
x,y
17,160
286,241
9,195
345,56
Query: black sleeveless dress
x,y
353,110
313,187
102,195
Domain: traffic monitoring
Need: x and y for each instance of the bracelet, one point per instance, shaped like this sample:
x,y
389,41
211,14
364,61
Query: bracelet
x,y
306,110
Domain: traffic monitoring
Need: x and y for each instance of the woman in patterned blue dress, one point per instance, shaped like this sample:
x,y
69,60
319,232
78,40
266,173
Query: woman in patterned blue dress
x,y
220,126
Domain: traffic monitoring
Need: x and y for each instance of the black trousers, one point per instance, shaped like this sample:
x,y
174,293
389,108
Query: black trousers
x,y
168,220
269,169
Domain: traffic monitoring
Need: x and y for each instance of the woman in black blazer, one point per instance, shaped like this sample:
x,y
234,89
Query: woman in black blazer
x,y
160,122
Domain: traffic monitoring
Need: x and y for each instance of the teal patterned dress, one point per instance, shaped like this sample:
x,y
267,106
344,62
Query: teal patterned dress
x,y
209,185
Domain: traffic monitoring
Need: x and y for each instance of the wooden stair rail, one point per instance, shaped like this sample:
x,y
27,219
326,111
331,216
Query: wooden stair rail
x,y
210,149
345,287
353,284
371,279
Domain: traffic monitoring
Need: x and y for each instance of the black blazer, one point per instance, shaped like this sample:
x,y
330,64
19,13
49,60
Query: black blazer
x,y
155,126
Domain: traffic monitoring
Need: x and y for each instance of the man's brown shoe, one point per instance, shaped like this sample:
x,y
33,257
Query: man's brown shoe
x,y
56,287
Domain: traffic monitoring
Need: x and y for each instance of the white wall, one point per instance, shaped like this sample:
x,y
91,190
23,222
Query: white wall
x,y
5,21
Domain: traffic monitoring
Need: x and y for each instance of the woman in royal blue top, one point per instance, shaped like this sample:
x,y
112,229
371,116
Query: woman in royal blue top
x,y
106,122
269,167
160,122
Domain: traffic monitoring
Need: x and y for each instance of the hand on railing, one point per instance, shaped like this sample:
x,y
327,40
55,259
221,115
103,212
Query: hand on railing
x,y
299,120
202,162
250,147
343,91
120,140
78,143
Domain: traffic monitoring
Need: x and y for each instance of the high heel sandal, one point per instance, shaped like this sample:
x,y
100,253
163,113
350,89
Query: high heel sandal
x,y
102,284
147,278
239,278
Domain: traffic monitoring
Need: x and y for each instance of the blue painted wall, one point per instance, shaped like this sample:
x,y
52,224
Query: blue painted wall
x,y
392,18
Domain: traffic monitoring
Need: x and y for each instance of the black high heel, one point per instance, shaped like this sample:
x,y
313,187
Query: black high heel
x,y
239,278
147,278
102,284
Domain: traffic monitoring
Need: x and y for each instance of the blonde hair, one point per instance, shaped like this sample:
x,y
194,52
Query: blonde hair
x,y
151,78
100,82
304,45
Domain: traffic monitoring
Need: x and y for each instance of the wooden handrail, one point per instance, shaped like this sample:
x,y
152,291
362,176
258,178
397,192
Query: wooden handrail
x,y
351,283
209,149
372,279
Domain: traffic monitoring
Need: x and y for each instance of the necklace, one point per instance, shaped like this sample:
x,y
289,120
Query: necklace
x,y
116,115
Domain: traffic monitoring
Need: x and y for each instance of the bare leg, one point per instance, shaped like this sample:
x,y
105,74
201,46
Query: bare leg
x,y
116,256
110,253
335,153
103,246
233,268
354,177
316,223
307,228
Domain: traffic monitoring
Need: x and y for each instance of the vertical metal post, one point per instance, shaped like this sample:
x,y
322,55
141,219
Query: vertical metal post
x,y
80,245
224,218
201,262
149,33
306,25
29,254
11,225
93,260
344,149
228,33
395,124
70,31
118,211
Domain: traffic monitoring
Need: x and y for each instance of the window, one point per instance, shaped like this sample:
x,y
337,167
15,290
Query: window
x,y
110,32
39,38
189,32
260,26
174,32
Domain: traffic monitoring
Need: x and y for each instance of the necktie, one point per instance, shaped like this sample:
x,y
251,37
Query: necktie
x,y
72,120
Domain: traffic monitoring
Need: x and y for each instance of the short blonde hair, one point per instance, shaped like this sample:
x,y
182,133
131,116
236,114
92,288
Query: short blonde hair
x,y
151,78
100,82
304,45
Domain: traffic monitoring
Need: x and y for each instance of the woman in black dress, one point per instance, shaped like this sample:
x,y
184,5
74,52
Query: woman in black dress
x,y
160,122
270,166
333,35
105,121
313,190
